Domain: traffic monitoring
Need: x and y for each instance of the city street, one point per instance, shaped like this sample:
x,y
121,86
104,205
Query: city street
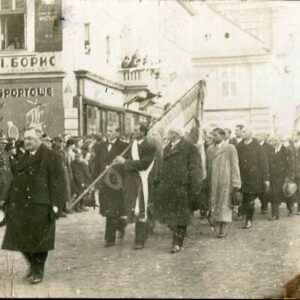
x,y
251,263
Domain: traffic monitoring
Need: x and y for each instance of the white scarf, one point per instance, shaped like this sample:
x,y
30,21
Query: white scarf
x,y
144,177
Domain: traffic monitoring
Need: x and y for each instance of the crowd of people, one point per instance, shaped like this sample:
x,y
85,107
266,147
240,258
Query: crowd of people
x,y
266,168
145,180
136,61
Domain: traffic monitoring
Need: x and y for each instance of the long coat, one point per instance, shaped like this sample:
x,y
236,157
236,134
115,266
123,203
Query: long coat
x,y
82,175
132,181
6,174
111,201
223,175
180,177
254,167
295,154
38,185
281,168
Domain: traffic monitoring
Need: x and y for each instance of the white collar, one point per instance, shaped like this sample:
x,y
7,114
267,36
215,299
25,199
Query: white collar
x,y
33,152
112,141
262,143
239,139
140,141
175,143
221,144
248,143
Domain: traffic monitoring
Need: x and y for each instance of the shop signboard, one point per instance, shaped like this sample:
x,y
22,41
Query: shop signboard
x,y
30,63
32,104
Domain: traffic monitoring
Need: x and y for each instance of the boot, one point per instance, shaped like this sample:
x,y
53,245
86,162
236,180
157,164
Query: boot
x,y
248,224
223,231
83,207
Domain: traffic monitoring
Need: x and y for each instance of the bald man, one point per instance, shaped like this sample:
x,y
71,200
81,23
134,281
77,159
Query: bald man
x,y
35,200
254,170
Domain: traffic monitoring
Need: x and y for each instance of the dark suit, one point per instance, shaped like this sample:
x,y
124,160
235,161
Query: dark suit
x,y
82,178
254,171
281,168
295,154
133,189
179,181
111,201
264,197
38,185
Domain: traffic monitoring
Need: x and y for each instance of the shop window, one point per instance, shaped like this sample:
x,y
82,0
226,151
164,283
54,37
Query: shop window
x,y
87,42
12,29
89,113
113,117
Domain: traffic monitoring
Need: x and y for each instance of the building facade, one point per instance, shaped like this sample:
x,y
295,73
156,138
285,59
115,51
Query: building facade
x,y
60,62
249,55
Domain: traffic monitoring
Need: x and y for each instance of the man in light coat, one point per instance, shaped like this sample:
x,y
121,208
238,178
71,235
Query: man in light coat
x,y
224,179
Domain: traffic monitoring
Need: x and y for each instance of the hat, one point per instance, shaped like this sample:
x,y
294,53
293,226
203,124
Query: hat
x,y
58,139
177,130
11,144
71,142
3,139
289,189
46,138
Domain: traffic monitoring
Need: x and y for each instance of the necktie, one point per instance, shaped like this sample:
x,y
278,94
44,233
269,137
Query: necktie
x,y
109,146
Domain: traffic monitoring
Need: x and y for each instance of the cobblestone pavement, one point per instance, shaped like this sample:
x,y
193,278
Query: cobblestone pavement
x,y
251,263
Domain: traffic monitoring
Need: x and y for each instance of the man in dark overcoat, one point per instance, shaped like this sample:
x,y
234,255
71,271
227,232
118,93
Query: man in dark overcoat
x,y
179,185
254,171
238,135
152,179
294,151
6,174
35,200
265,197
138,163
111,200
281,171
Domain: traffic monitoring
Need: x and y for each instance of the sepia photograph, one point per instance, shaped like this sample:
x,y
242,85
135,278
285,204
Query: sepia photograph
x,y
150,149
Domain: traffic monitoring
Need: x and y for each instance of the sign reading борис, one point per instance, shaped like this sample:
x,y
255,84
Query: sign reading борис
x,y
18,63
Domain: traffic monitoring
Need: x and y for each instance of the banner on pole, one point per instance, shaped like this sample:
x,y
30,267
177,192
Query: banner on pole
x,y
185,112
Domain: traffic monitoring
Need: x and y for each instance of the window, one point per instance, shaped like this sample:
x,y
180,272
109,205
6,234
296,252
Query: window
x,y
87,43
12,29
107,48
229,84
112,117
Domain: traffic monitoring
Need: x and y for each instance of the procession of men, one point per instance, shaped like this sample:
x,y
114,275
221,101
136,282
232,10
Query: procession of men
x,y
147,180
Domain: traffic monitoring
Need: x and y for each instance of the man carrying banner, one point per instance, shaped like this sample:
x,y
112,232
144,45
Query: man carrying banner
x,y
138,163
111,198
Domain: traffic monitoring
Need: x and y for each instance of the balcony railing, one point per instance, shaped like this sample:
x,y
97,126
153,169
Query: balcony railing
x,y
140,76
